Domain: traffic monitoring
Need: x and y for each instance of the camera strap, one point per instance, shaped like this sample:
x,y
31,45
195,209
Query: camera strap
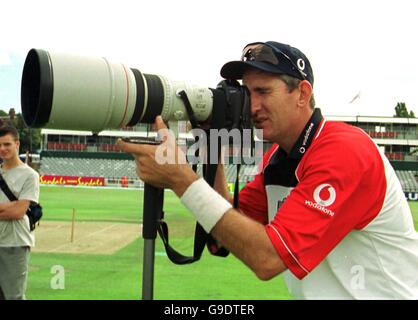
x,y
201,238
6,189
175,256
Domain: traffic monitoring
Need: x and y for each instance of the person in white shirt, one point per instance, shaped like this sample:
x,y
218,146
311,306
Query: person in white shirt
x,y
16,238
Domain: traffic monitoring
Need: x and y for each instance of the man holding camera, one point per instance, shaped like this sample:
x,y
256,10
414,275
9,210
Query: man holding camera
x,y
15,236
326,209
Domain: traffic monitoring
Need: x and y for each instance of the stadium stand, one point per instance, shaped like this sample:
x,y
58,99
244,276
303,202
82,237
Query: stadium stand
x,y
108,168
76,153
408,181
246,172
117,168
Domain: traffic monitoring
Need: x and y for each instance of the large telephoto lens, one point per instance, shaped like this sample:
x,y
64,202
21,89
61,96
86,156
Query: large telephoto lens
x,y
64,91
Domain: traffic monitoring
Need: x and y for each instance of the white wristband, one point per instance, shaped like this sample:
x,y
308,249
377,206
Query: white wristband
x,y
206,204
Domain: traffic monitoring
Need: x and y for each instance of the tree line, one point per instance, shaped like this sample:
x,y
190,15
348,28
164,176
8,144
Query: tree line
x,y
401,111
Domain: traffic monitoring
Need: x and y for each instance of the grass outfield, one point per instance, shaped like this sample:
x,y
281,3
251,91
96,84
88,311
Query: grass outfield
x,y
119,276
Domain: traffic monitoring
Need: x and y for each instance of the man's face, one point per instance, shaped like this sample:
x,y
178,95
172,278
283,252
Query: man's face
x,y
8,147
273,108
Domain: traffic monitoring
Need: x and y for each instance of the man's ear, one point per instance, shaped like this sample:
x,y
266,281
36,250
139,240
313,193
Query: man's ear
x,y
305,89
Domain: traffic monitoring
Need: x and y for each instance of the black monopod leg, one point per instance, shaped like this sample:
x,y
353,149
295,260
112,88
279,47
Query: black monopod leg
x,y
153,208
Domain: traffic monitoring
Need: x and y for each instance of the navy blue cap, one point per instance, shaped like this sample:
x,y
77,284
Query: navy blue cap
x,y
287,60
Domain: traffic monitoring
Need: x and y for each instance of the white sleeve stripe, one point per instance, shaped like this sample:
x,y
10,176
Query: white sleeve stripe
x,y
290,252
296,173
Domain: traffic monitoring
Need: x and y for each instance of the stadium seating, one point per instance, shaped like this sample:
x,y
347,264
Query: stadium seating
x,y
88,167
408,181
246,172
114,169
395,155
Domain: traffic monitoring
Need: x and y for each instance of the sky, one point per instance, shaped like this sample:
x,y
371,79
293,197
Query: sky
x,y
362,48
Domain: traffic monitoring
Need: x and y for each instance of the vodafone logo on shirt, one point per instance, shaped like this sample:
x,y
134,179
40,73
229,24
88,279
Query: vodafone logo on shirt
x,y
324,196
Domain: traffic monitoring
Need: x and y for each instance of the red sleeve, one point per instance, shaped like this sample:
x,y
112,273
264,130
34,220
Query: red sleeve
x,y
341,187
253,198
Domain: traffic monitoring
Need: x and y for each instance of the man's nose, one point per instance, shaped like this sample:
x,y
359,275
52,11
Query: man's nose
x,y
255,106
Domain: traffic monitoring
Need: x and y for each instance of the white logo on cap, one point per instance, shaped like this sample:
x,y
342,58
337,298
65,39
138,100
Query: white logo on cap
x,y
324,202
301,64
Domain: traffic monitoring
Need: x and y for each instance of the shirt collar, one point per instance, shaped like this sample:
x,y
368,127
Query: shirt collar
x,y
306,137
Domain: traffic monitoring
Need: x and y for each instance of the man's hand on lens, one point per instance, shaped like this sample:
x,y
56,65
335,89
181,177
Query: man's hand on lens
x,y
163,165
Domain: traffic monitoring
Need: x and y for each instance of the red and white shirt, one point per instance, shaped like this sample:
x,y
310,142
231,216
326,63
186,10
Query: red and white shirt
x,y
337,216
